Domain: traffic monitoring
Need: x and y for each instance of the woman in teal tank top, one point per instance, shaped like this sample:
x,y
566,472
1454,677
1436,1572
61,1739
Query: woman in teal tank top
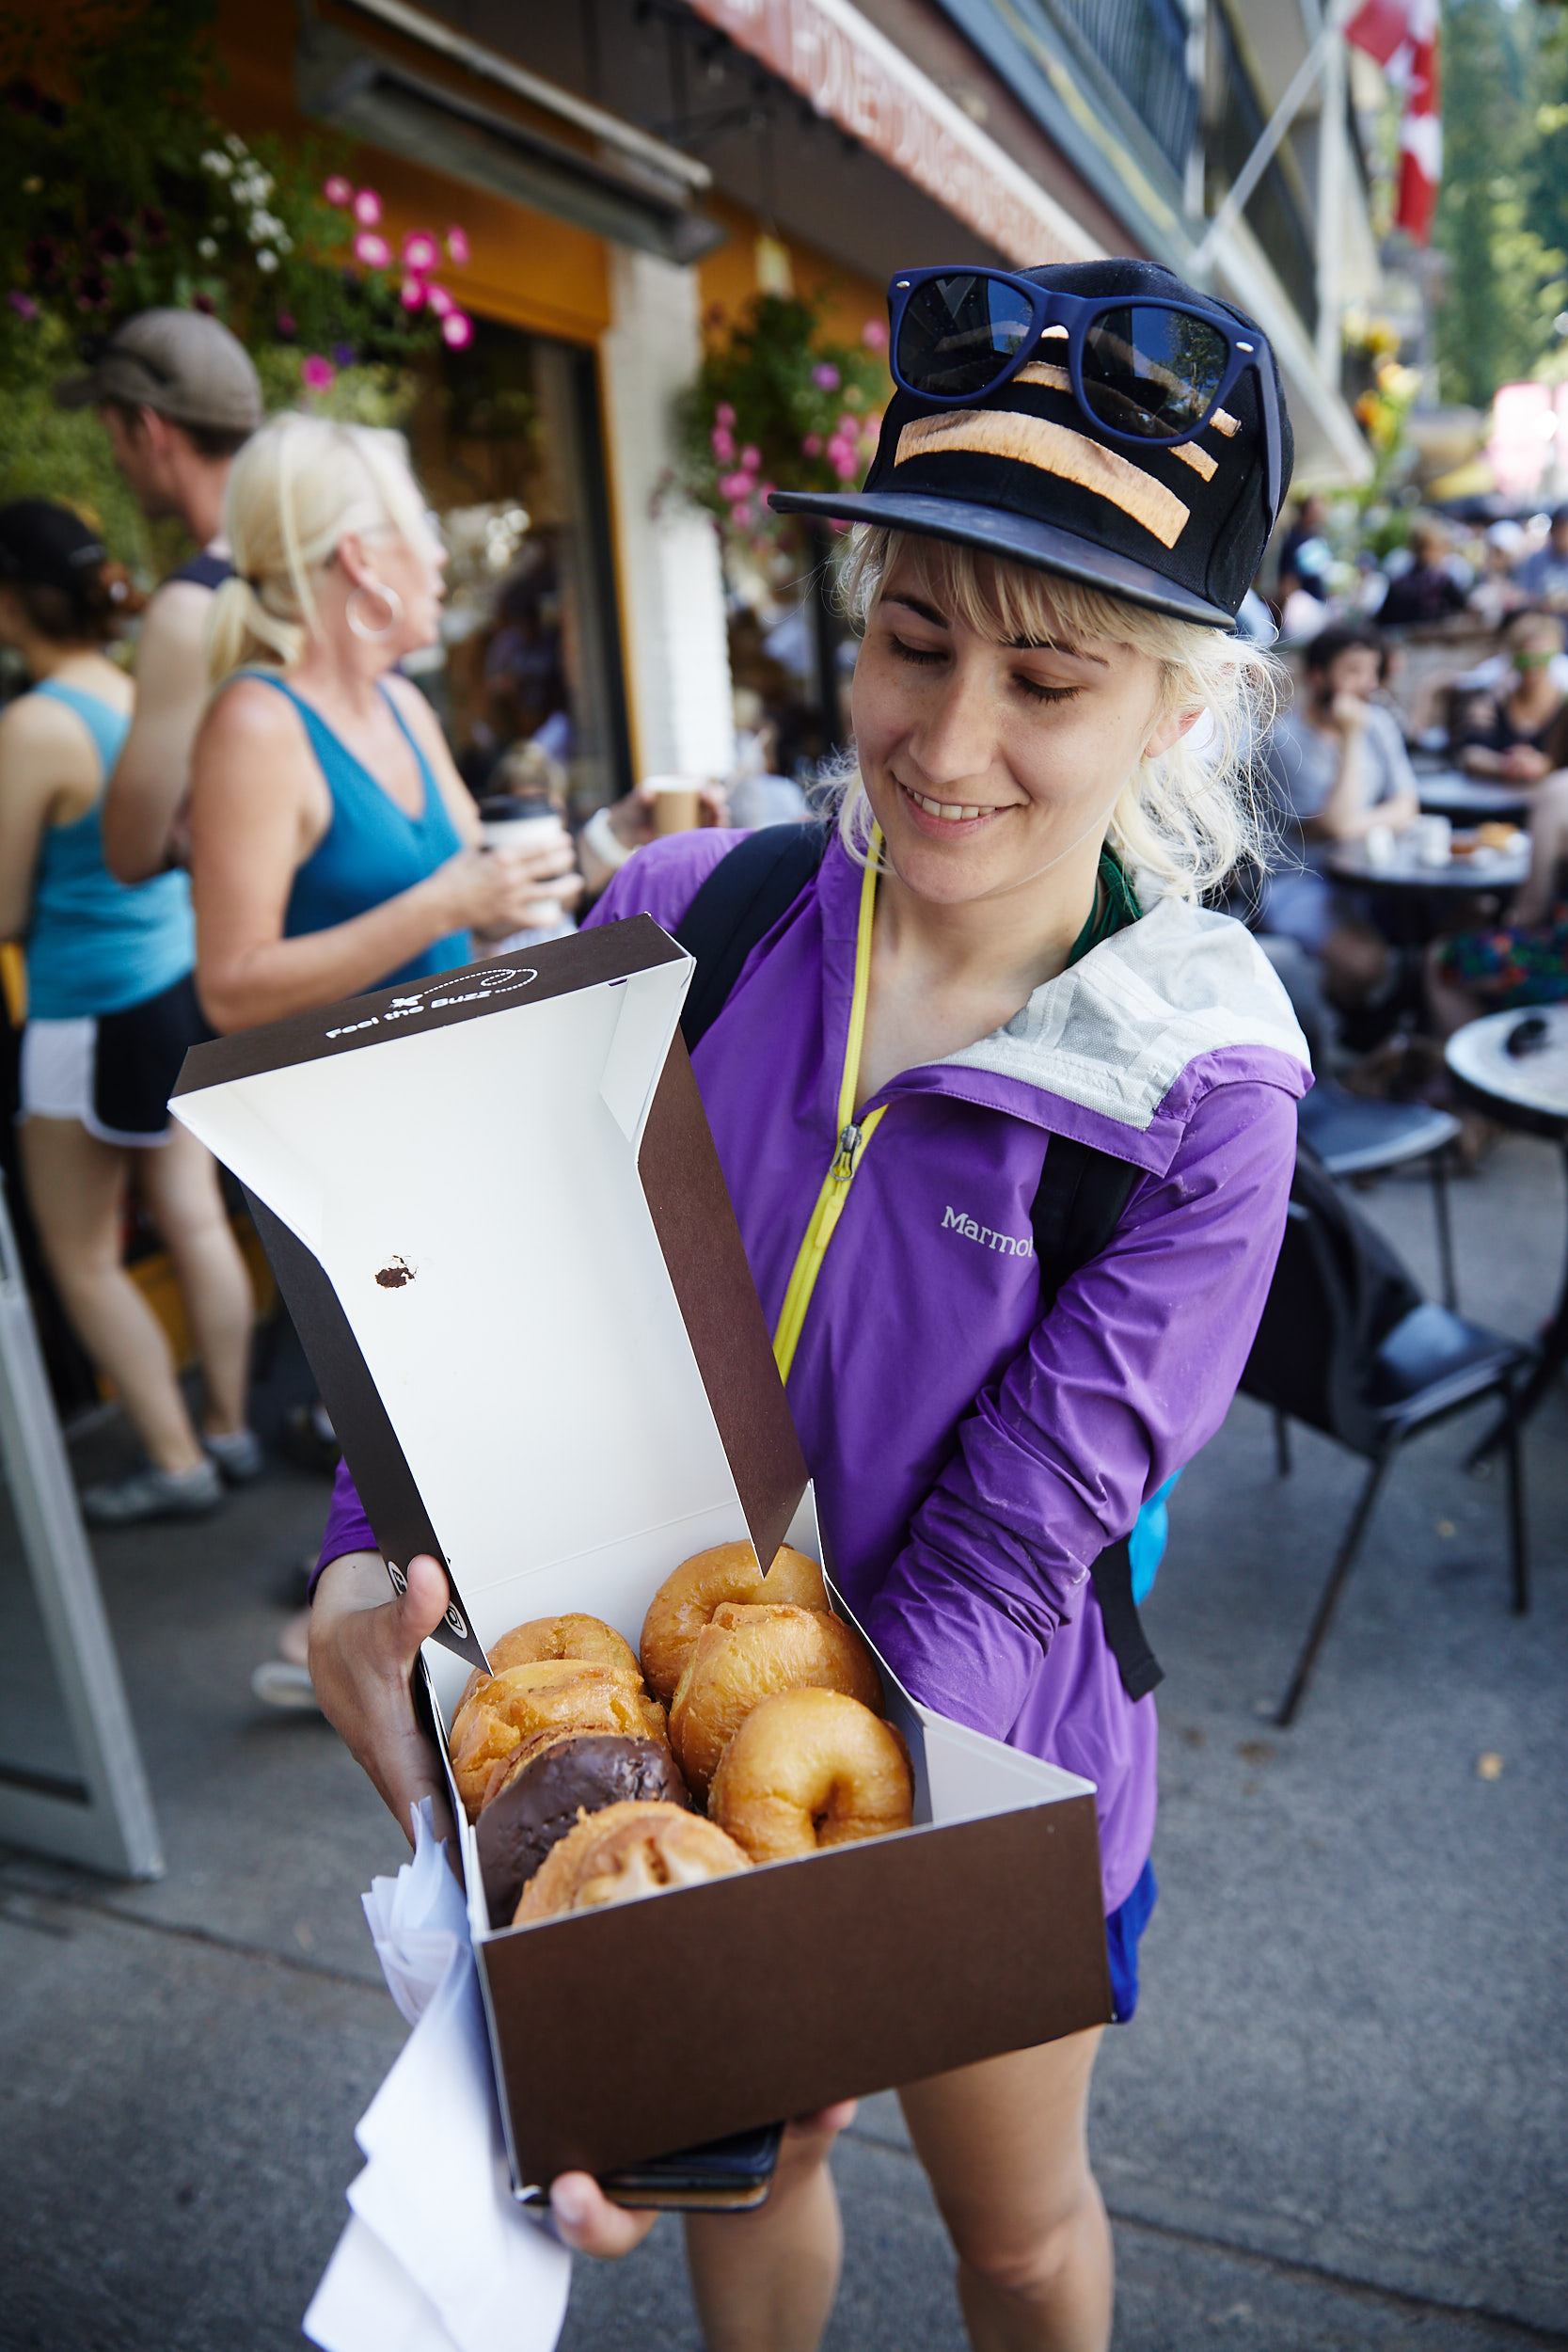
x,y
335,848
111,1011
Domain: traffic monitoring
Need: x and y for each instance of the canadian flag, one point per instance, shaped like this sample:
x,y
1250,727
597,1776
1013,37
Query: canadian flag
x,y
1402,36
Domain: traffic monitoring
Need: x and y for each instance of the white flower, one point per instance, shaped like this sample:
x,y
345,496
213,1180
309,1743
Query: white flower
x,y
218,162
235,145
266,260
208,248
284,243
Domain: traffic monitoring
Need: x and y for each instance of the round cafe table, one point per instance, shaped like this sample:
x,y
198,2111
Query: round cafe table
x,y
1528,1092
1483,872
1471,799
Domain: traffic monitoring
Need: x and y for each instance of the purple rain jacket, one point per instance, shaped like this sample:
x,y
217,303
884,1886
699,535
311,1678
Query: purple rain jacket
x,y
970,1457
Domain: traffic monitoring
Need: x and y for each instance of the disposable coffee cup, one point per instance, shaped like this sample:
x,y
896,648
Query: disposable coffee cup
x,y
512,823
1434,841
1382,849
677,804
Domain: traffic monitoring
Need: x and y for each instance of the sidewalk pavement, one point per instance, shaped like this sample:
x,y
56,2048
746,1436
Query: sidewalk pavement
x,y
1340,2122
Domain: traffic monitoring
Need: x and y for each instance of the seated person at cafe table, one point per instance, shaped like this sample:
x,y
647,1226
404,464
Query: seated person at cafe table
x,y
1003,948
1518,734
1338,768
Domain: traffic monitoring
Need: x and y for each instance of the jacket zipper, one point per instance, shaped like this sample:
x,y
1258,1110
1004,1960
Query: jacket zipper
x,y
853,1137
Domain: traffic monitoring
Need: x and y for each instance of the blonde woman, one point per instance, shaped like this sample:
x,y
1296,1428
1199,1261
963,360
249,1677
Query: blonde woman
x,y
334,846
1000,957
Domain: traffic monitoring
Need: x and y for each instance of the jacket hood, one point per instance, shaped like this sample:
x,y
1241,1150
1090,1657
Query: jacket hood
x,y
1115,1032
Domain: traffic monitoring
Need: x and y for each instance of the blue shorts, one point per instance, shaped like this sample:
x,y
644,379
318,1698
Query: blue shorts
x,y
1122,1930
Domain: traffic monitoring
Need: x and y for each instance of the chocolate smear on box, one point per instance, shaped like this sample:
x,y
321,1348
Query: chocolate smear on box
x,y
580,1773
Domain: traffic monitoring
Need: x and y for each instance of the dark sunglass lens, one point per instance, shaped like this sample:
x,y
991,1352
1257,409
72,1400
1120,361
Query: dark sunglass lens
x,y
1152,372
959,333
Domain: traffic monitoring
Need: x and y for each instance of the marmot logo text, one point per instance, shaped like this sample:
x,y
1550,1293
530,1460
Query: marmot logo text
x,y
956,1220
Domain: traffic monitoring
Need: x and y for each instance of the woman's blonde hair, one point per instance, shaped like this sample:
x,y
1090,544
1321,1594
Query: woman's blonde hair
x,y
297,489
1185,820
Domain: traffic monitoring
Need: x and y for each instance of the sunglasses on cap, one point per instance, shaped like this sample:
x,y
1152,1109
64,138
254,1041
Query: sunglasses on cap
x,y
1144,369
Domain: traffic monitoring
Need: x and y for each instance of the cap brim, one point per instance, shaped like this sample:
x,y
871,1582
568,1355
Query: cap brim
x,y
75,392
1020,538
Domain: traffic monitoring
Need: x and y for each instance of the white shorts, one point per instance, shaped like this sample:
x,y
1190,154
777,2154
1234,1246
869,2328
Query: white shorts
x,y
113,1074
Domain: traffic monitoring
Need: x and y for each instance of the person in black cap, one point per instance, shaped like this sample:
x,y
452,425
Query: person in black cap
x,y
1008,1121
179,398
111,1011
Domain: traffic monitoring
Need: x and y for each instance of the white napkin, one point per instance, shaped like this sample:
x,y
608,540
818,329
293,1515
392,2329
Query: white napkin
x,y
439,2257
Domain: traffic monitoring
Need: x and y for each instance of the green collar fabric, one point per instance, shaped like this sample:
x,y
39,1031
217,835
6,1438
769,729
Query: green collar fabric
x,y
1113,908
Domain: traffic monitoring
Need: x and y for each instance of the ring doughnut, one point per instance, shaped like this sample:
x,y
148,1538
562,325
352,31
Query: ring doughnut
x,y
686,1599
810,1768
586,1638
743,1655
550,1693
623,1853
538,1794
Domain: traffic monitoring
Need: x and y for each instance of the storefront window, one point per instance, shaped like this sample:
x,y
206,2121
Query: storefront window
x,y
506,441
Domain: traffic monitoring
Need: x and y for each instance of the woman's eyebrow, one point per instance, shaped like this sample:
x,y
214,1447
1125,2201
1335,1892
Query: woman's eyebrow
x,y
1056,645
927,612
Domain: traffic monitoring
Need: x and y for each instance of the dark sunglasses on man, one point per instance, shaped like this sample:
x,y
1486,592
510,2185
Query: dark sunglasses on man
x,y
1144,369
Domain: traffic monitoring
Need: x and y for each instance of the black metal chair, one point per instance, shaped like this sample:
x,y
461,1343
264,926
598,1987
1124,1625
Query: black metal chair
x,y
1354,1136
1315,1361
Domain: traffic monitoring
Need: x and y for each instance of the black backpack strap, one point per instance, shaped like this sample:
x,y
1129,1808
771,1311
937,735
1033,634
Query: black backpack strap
x,y
1076,1210
750,888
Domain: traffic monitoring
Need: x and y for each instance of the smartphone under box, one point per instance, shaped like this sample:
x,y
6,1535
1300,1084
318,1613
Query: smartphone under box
x,y
496,1213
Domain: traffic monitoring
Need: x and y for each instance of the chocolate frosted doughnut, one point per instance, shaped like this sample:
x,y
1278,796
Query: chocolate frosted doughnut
x,y
539,1797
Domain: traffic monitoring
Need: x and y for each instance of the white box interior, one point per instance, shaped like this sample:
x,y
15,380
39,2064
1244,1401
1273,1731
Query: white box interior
x,y
534,1365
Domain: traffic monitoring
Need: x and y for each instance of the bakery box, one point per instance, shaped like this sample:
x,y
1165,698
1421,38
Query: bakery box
x,y
496,1213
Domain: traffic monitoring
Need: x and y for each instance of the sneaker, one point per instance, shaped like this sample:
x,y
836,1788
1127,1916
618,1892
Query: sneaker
x,y
279,1684
238,1455
153,1494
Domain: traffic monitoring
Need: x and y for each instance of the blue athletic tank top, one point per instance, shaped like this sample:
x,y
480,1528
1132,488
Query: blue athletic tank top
x,y
373,850
95,946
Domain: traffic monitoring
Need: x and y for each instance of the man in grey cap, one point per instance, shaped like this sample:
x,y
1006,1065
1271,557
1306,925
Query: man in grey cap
x,y
178,396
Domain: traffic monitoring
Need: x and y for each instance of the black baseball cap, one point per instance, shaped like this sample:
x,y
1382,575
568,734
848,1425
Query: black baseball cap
x,y
1181,528
46,546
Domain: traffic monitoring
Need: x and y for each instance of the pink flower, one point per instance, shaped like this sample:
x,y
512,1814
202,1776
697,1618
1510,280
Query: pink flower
x,y
457,247
457,328
735,485
722,445
825,377
315,373
740,514
845,464
765,491
874,335
439,301
724,415
338,191
23,304
367,209
413,292
750,458
371,251
811,445
848,425
421,252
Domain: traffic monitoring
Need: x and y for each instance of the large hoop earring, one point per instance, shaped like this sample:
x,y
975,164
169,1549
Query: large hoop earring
x,y
390,598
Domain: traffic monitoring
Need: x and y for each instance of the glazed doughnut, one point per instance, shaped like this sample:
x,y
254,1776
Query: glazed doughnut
x,y
686,1601
586,1638
741,1656
810,1768
552,1694
537,1795
625,1852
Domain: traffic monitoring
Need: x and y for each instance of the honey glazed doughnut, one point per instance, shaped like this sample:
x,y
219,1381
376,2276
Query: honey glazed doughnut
x,y
742,1656
686,1600
810,1768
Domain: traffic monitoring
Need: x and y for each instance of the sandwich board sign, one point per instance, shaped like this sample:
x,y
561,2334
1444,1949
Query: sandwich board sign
x,y
72,1783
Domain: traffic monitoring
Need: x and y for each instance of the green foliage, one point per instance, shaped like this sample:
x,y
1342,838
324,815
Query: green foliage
x,y
774,405
120,190
1502,215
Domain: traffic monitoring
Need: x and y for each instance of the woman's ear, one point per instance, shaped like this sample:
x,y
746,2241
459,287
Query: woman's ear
x,y
352,561
1171,728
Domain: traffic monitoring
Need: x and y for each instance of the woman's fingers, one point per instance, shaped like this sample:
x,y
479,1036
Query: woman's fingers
x,y
589,2223
364,1641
